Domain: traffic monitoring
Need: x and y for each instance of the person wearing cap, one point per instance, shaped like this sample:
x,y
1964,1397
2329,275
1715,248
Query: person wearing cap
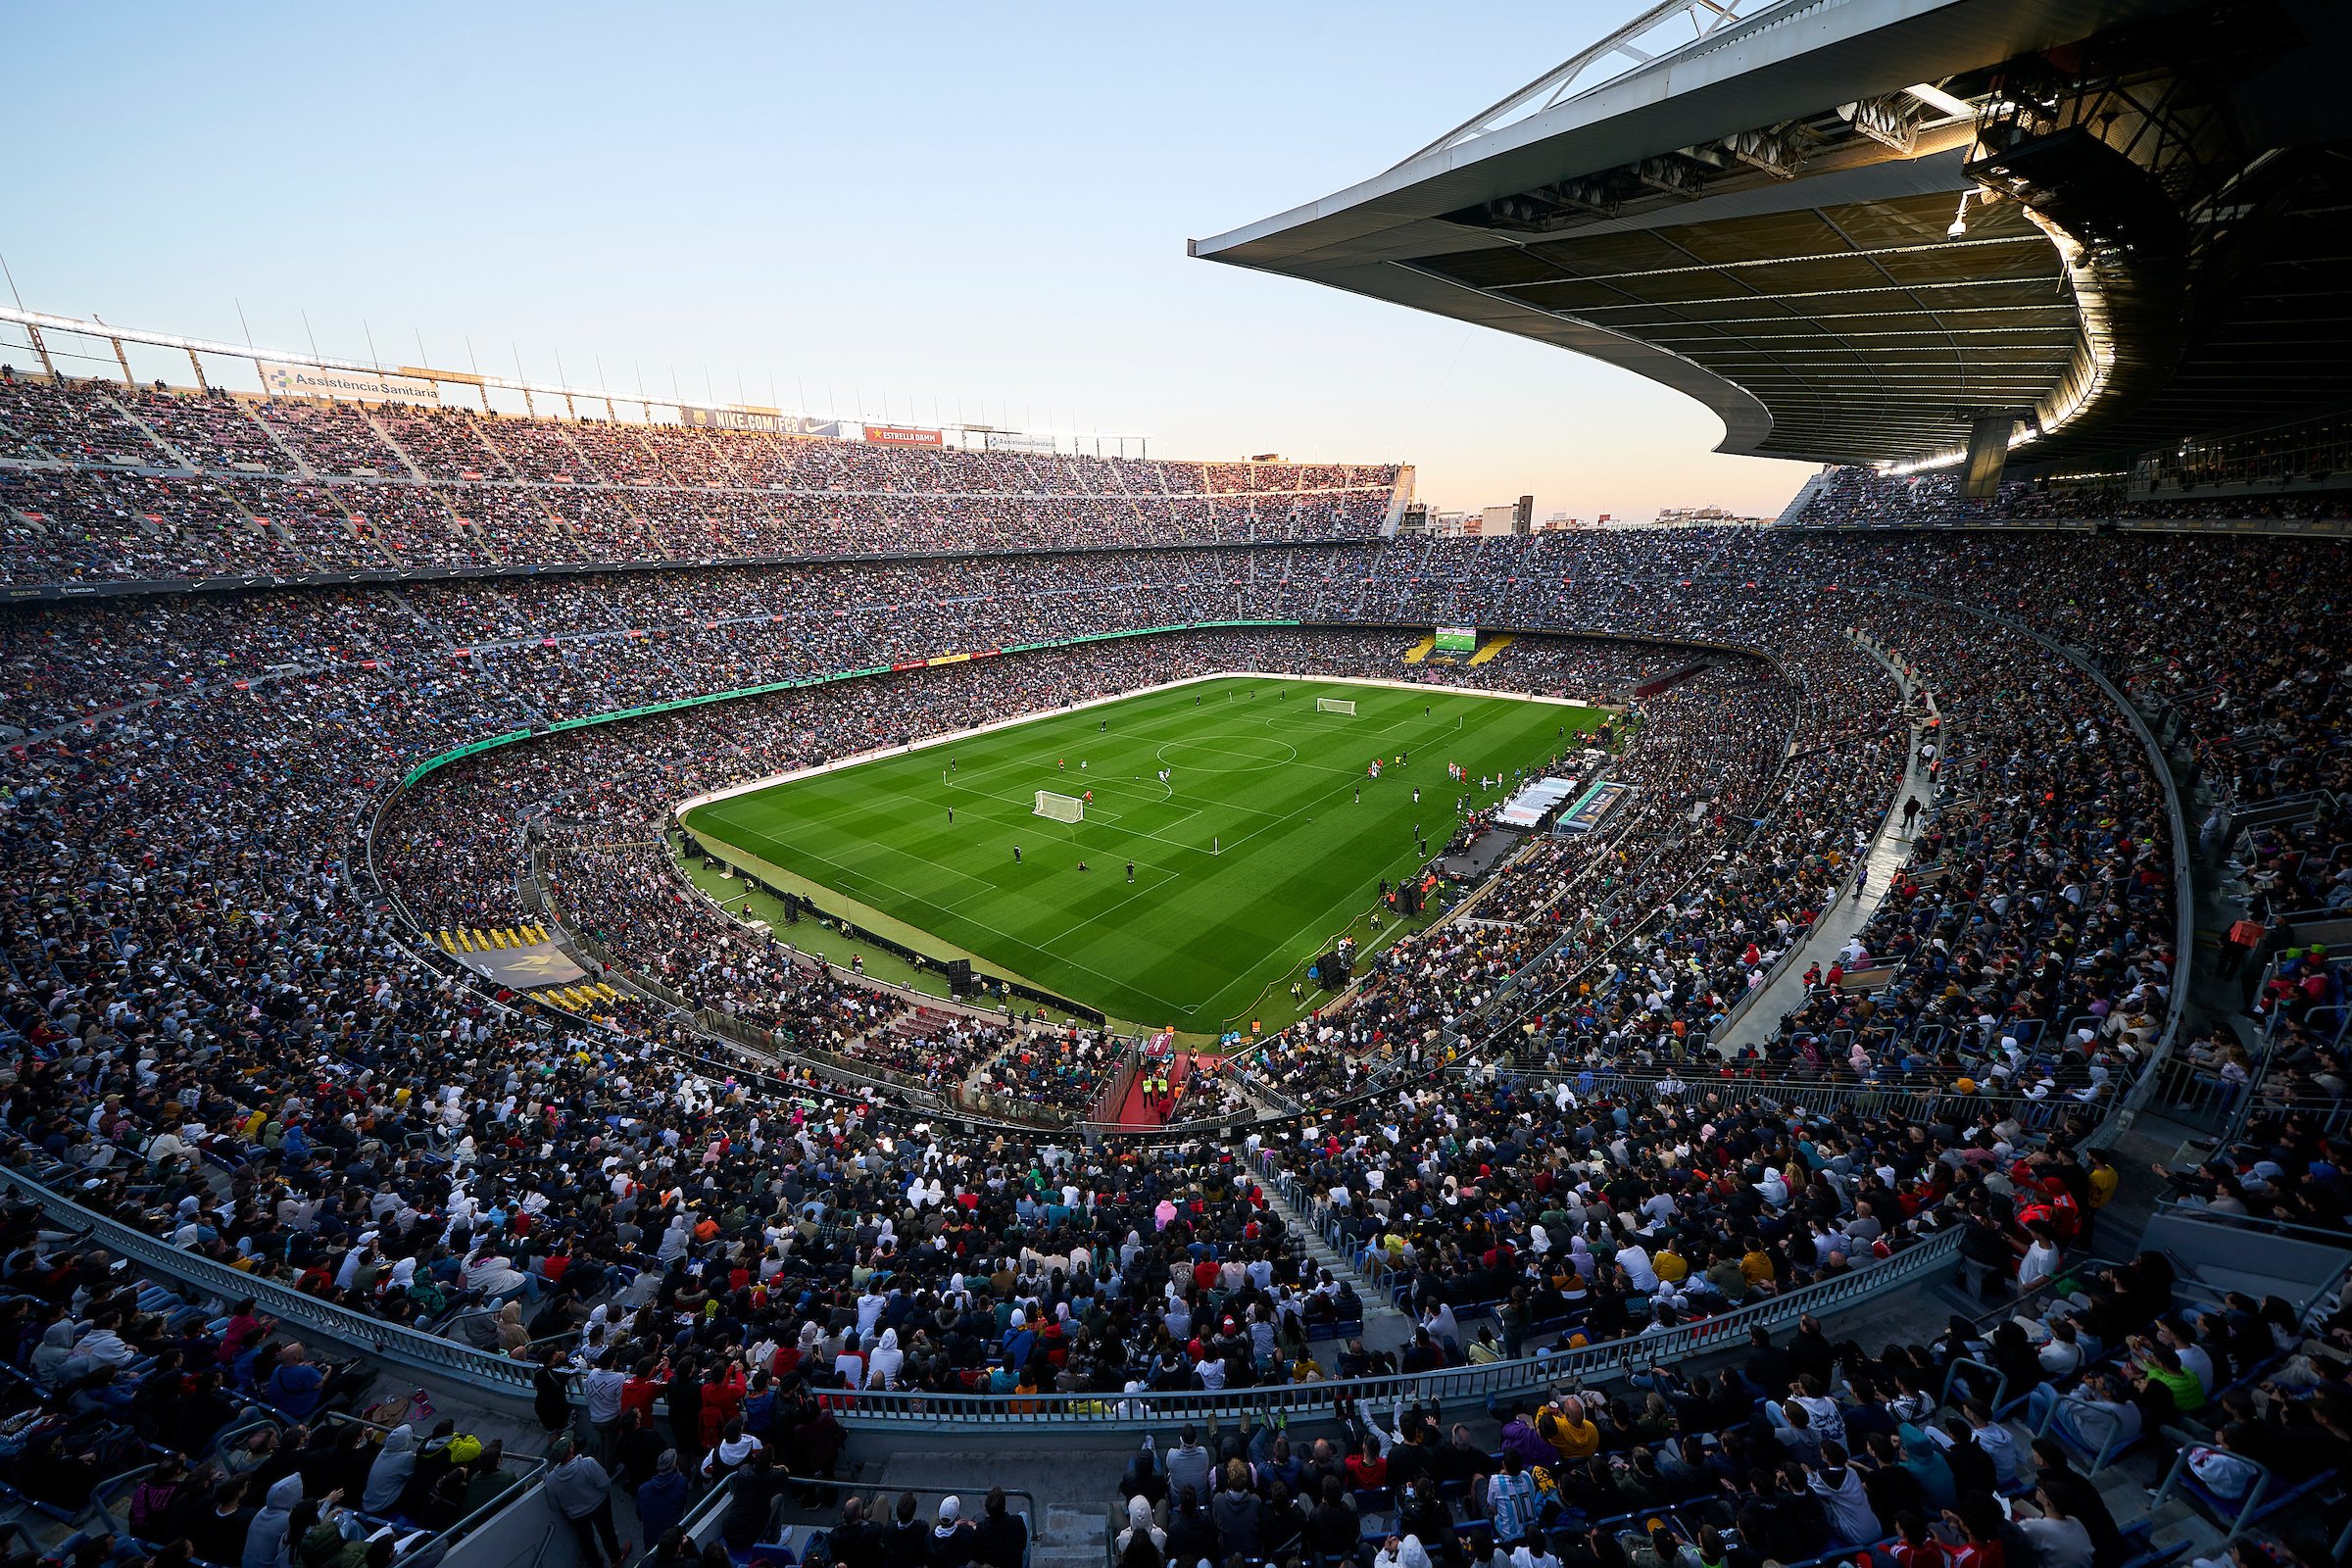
x,y
953,1538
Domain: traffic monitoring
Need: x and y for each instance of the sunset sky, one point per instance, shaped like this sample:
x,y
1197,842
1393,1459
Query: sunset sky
x,y
918,212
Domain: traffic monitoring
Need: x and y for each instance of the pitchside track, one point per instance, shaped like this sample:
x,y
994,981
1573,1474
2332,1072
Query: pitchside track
x,y
1247,858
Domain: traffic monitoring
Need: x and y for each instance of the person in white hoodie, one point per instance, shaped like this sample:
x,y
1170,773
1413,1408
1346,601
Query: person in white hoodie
x,y
883,1361
1843,1499
102,1345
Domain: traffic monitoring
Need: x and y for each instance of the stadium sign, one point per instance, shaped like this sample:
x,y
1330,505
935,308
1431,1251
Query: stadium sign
x,y
904,435
282,380
1585,814
746,418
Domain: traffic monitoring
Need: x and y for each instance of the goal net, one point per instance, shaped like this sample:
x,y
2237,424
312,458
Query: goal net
x,y
1061,807
1336,704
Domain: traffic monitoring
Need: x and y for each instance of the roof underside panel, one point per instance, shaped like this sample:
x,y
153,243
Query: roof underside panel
x,y
1763,220
1864,328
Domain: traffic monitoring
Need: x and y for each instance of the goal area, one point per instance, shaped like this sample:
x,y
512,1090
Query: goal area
x,y
1059,808
1336,704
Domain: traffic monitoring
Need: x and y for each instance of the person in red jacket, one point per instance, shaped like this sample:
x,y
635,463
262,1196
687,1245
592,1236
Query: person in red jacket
x,y
642,1387
722,1400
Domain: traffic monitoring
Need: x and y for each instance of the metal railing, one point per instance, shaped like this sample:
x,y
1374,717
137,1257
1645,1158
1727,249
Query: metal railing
x,y
2260,1224
392,1343
412,1350
1450,1386
1920,1101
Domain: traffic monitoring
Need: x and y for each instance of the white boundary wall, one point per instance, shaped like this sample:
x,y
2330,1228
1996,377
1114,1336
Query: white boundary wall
x,y
729,792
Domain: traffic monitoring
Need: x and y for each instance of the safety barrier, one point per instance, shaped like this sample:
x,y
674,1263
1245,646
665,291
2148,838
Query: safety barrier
x,y
392,1343
499,1377
1909,1103
1453,1386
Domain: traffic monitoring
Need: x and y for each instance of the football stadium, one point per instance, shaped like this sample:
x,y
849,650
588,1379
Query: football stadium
x,y
599,976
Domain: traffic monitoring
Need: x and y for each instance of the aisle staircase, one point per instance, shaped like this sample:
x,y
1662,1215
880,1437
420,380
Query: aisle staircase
x,y
1494,646
1384,1327
1420,650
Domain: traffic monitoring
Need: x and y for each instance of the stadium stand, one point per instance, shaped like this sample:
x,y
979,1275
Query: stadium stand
x,y
308,489
1906,1130
228,1035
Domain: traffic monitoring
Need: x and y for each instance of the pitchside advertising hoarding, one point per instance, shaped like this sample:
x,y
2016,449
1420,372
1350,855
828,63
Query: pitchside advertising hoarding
x,y
367,386
904,435
1457,640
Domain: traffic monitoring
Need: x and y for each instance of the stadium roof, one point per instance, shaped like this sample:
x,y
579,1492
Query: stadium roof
x,y
1763,217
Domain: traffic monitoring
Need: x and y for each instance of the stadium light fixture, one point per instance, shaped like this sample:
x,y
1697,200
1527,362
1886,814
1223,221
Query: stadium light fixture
x,y
1943,102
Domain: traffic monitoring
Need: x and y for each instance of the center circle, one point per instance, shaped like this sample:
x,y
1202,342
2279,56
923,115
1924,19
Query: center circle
x,y
1229,753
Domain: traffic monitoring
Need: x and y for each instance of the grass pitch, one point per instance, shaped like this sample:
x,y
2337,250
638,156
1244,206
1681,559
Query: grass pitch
x,y
1267,840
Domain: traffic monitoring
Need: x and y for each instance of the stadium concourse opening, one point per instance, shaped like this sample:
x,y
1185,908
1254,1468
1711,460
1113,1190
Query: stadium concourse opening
x,y
1174,859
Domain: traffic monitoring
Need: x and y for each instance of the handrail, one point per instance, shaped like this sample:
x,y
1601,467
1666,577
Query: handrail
x,y
393,1343
2268,1225
414,1351
2080,1411
2185,920
2000,1380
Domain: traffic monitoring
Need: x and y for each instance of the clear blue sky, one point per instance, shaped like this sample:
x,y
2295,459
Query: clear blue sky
x,y
936,207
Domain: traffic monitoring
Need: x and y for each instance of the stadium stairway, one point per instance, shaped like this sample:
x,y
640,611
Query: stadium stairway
x,y
1420,650
1386,1328
1494,646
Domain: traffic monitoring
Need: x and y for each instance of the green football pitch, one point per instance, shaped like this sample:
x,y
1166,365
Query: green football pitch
x,y
1266,841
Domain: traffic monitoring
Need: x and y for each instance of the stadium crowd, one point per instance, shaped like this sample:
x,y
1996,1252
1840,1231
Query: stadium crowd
x,y
217,1028
100,483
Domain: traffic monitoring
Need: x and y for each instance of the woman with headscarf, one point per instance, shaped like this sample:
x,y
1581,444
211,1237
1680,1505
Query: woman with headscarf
x,y
388,1476
1141,1523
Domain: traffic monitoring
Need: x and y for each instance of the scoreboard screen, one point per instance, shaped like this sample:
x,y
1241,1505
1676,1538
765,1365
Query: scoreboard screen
x,y
1457,640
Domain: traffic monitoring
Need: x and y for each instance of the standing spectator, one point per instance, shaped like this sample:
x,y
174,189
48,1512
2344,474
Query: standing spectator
x,y
662,1501
580,1487
550,1394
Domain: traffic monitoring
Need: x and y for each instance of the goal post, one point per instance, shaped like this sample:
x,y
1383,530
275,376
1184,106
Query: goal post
x,y
1336,704
1059,808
